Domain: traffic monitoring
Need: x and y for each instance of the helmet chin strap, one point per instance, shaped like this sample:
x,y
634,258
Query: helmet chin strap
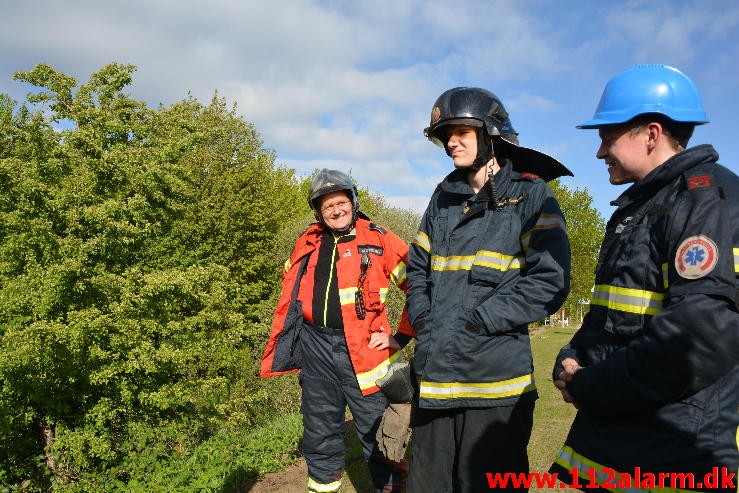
x,y
484,152
343,230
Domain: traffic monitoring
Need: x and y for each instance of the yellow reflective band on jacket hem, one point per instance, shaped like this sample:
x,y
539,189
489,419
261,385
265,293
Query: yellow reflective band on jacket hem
x,y
423,241
488,390
628,300
367,379
483,258
569,459
736,260
545,221
398,274
315,486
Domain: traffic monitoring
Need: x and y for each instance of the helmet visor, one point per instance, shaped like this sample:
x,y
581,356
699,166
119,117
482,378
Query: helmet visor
x,y
439,133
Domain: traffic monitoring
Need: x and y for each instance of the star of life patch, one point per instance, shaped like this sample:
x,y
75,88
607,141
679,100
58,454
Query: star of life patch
x,y
696,257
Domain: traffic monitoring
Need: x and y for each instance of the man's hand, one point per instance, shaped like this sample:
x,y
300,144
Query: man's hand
x,y
383,340
570,367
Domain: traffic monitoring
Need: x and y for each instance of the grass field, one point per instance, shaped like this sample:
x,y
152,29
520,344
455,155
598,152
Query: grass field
x,y
552,417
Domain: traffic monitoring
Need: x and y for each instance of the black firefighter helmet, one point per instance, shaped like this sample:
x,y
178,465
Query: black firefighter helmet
x,y
330,180
482,109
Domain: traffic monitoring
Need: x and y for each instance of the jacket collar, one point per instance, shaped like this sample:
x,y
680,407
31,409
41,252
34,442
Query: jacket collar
x,y
456,181
667,172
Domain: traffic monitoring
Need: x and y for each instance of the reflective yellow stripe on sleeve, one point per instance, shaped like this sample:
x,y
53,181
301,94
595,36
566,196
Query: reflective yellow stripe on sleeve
x,y
367,379
423,241
398,274
545,221
486,390
736,260
628,300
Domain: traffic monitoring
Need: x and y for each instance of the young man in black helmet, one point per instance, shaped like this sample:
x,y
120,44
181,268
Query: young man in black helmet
x,y
331,323
491,256
654,369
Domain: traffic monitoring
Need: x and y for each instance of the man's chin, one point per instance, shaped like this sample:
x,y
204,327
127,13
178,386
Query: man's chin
x,y
462,165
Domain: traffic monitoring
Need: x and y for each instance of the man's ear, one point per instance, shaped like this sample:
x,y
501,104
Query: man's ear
x,y
655,133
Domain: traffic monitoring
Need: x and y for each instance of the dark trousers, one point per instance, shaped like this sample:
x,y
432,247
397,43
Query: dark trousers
x,y
454,449
329,384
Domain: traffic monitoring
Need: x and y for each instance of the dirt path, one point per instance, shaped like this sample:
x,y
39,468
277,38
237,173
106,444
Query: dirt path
x,y
294,479
291,480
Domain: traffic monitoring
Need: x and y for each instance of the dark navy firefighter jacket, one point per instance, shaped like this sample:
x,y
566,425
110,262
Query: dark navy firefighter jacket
x,y
660,345
502,262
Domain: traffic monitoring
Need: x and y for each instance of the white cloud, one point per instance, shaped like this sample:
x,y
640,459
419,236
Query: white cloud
x,y
350,85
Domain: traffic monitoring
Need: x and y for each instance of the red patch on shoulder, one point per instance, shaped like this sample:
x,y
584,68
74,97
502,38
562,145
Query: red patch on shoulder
x,y
703,181
529,175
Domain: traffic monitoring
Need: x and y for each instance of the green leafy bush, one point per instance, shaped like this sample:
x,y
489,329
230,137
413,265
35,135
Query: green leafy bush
x,y
137,276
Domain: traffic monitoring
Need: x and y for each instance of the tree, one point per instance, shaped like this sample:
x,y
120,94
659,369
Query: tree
x,y
135,264
585,228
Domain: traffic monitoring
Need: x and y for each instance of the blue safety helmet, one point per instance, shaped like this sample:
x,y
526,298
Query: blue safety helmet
x,y
651,88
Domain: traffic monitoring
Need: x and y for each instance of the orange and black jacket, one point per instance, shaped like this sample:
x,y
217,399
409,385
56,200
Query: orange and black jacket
x,y
385,255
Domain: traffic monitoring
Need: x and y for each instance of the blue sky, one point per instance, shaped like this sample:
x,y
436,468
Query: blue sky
x,y
349,84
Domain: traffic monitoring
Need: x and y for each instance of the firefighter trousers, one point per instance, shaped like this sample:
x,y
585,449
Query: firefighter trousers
x,y
328,385
453,450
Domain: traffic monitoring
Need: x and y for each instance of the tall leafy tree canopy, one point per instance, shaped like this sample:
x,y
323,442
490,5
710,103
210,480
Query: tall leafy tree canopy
x,y
585,228
136,268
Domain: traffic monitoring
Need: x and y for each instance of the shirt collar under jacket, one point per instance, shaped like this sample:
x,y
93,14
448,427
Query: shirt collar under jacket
x,y
667,172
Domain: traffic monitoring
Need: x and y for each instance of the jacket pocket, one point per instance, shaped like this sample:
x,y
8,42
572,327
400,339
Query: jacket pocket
x,y
483,281
684,417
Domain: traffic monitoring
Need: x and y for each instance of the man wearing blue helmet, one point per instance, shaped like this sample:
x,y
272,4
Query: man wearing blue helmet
x,y
654,369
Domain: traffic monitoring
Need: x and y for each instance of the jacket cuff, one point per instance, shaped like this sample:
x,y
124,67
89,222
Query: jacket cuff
x,y
402,339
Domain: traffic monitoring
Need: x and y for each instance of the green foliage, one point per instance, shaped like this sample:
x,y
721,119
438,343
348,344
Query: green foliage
x,y
585,228
136,273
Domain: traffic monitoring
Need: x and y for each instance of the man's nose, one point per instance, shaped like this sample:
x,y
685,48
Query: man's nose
x,y
601,153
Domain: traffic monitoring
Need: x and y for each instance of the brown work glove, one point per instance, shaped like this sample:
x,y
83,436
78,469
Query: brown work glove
x,y
394,432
